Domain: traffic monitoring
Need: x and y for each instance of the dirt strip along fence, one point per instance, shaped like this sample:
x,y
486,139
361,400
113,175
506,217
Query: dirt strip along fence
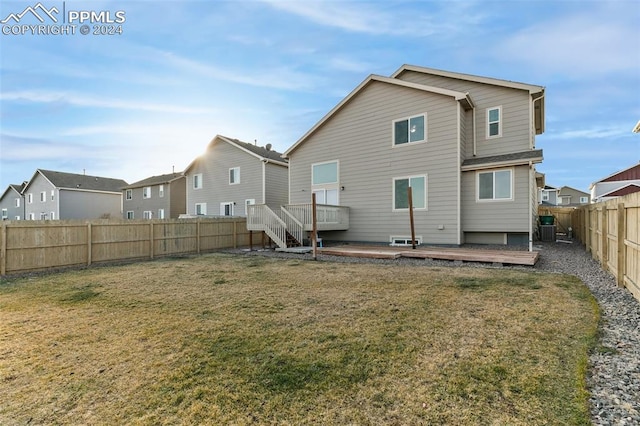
x,y
28,246
610,231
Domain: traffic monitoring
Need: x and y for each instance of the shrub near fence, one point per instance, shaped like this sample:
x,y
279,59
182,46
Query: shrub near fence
x,y
36,245
611,232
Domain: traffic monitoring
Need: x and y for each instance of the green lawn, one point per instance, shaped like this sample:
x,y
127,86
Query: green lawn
x,y
223,339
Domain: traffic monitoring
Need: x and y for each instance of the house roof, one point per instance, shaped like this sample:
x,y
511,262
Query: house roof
x,y
155,180
630,173
463,98
531,88
16,187
504,160
261,153
572,189
74,181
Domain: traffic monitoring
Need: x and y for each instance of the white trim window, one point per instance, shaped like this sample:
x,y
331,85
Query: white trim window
x,y
495,185
410,130
226,209
494,122
52,194
128,195
545,196
404,240
234,175
324,182
52,215
32,216
201,209
30,198
197,181
146,192
584,200
17,202
247,203
43,196
130,214
147,214
161,193
160,213
418,185
5,214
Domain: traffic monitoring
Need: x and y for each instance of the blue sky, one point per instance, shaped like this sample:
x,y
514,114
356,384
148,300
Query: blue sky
x,y
148,100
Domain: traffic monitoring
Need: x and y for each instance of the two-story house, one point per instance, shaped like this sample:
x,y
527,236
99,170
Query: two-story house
x,y
231,175
464,144
51,195
571,197
12,202
548,195
156,197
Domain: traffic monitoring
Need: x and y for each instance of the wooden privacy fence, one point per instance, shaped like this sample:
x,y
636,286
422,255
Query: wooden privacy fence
x,y
610,230
562,215
37,245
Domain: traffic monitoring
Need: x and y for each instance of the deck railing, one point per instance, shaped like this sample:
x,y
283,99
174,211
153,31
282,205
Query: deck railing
x,y
328,217
261,218
294,226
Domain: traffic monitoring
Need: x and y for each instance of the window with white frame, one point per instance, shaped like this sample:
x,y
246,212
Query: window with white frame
x,y
234,175
32,216
226,209
128,194
197,181
30,198
584,200
410,130
161,191
405,240
130,214
17,217
324,182
248,203
5,214
52,194
52,215
494,122
201,208
43,216
147,214
43,196
17,202
418,185
146,192
495,185
160,213
545,196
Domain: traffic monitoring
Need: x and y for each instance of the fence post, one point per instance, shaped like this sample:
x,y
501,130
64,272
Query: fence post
x,y
604,236
235,234
198,235
3,250
587,229
151,240
622,252
89,244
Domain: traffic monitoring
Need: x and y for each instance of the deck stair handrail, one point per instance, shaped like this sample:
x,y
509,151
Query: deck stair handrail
x,y
293,225
261,218
328,217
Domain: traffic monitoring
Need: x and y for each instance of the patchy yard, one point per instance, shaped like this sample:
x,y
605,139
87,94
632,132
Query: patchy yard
x,y
223,339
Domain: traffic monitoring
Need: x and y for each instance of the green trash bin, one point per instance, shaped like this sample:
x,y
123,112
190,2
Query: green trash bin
x,y
546,220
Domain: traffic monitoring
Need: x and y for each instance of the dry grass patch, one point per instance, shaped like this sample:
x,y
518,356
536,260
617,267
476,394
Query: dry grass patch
x,y
220,339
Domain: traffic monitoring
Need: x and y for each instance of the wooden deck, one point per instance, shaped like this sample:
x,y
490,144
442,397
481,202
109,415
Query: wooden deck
x,y
509,257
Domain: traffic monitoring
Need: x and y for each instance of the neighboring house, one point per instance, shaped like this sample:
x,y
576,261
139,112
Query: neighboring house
x,y
53,195
157,197
231,175
12,202
621,183
464,144
549,195
569,197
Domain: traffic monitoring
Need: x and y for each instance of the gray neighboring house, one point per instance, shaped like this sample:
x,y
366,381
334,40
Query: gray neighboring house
x,y
571,197
465,144
157,197
12,202
232,174
549,195
52,195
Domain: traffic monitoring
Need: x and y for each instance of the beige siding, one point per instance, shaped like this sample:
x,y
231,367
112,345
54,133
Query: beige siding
x,y
516,113
359,136
276,185
496,216
214,166
177,197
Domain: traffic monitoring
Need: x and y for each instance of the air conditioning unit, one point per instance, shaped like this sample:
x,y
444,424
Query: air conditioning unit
x,y
548,232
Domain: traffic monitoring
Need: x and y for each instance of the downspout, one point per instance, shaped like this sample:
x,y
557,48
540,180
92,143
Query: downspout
x,y
473,123
531,189
264,182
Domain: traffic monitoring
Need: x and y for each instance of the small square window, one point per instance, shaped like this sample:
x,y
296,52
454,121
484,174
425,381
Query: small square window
x,y
409,130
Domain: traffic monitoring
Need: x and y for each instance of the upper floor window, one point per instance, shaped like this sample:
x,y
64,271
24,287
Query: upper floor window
x,y
323,173
197,181
30,198
146,192
494,122
584,200
418,185
128,194
234,175
43,196
17,202
52,194
161,193
545,196
495,185
409,130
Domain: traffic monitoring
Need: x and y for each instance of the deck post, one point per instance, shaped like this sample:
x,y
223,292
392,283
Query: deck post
x,y
250,240
314,226
413,230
